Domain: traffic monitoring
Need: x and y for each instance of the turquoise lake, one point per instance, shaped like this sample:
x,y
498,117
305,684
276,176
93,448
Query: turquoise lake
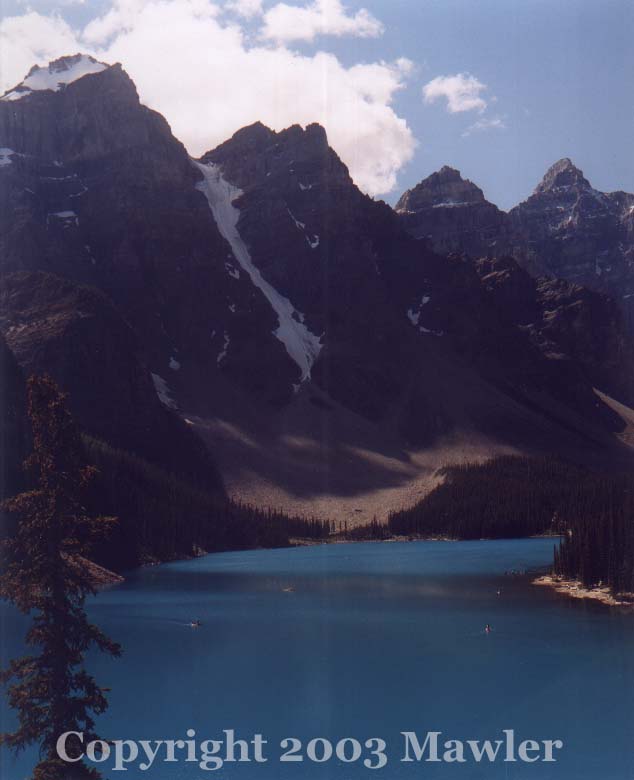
x,y
362,640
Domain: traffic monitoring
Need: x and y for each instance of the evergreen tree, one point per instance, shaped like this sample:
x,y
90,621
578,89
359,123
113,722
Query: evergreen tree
x,y
44,575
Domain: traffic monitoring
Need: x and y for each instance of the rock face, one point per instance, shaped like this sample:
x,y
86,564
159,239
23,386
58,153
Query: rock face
x,y
74,333
566,322
324,247
386,308
569,230
258,283
95,189
452,213
566,229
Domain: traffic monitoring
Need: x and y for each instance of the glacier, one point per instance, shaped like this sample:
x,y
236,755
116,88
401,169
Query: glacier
x,y
301,344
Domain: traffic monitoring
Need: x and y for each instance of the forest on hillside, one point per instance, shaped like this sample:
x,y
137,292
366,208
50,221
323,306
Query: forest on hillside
x,y
163,516
516,496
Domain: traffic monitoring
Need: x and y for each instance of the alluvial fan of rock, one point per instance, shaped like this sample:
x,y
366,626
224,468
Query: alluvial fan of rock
x,y
256,297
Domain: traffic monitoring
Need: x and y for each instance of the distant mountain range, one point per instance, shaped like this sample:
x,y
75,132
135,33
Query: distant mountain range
x,y
255,300
566,229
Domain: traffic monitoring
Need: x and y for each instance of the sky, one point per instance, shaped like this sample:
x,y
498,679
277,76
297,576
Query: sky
x,y
499,89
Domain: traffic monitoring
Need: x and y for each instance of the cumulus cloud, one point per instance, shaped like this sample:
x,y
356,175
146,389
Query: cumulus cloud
x,y
197,68
31,39
494,123
245,8
463,92
285,22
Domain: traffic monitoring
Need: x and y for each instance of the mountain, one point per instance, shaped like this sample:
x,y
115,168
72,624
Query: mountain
x,y
452,214
566,229
255,300
569,230
75,334
96,191
566,322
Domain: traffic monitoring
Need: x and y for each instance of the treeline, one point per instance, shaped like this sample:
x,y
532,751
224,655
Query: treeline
x,y
162,516
509,496
370,532
516,496
598,545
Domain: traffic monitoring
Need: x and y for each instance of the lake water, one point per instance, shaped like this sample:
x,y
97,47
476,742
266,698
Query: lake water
x,y
364,640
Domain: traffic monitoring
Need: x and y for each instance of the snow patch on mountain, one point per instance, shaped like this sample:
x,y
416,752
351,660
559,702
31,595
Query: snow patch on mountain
x,y
299,225
5,156
302,346
225,346
67,218
232,271
56,75
313,242
163,391
413,314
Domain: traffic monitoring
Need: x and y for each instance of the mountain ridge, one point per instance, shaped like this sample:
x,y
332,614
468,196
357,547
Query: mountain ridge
x,y
326,356
564,229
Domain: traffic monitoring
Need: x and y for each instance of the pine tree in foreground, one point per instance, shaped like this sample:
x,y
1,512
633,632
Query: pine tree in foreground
x,y
44,575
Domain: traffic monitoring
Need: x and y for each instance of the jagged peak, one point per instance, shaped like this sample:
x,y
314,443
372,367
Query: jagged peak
x,y
445,187
447,173
260,137
57,74
562,174
259,131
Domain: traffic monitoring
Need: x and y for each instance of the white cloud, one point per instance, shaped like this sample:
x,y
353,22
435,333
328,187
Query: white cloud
x,y
199,71
245,8
495,123
463,92
31,39
48,5
285,22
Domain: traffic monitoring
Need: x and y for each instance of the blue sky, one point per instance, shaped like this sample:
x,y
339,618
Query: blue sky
x,y
555,79
562,72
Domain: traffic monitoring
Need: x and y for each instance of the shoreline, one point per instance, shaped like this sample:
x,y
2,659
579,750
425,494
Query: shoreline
x,y
337,539
104,577
575,590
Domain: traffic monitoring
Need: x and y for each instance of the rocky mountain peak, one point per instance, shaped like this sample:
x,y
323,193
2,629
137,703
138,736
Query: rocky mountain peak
x,y
257,155
77,110
445,187
57,74
448,174
564,174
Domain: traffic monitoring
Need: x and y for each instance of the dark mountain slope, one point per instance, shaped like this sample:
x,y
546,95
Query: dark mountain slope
x,y
99,191
566,229
566,322
319,348
75,334
452,214
377,299
569,230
